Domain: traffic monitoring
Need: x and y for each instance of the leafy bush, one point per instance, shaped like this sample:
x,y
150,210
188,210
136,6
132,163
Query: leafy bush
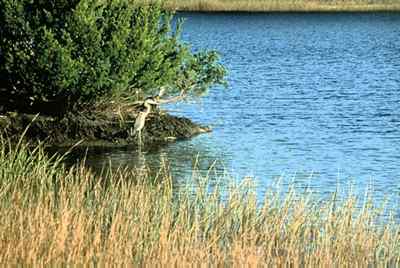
x,y
57,56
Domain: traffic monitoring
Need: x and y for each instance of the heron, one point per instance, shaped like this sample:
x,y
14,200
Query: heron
x,y
146,107
144,111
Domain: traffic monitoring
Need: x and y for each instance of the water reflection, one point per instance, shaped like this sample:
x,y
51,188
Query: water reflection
x,y
186,164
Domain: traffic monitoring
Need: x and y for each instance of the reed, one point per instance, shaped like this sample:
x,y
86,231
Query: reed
x,y
50,214
284,5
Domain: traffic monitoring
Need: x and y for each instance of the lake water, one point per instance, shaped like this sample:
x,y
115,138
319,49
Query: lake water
x,y
312,98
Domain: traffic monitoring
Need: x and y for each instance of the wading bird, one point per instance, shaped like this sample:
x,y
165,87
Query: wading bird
x,y
144,111
146,107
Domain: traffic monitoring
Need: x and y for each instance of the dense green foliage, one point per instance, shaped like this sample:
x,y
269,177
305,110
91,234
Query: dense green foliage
x,y
56,56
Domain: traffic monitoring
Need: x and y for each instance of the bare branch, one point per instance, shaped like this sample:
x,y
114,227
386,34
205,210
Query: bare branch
x,y
181,96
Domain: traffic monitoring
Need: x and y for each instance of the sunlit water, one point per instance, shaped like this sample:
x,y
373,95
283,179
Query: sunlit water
x,y
312,98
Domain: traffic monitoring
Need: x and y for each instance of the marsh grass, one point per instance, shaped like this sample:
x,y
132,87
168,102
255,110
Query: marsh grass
x,y
53,215
284,5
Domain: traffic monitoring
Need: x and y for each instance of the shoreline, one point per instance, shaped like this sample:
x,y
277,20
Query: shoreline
x,y
97,129
276,7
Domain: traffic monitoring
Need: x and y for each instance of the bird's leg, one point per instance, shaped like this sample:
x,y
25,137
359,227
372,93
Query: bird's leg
x,y
140,137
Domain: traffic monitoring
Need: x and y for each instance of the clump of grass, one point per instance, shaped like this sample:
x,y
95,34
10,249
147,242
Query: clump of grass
x,y
53,215
283,5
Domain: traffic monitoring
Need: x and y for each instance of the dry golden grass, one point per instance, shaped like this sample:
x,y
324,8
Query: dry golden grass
x,y
51,215
284,5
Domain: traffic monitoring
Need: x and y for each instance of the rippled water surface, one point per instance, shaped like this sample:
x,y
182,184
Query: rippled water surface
x,y
314,98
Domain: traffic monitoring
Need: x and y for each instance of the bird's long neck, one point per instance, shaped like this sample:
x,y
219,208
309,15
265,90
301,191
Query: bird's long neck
x,y
147,106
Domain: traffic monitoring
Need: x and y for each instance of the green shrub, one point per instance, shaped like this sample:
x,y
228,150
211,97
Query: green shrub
x,y
60,55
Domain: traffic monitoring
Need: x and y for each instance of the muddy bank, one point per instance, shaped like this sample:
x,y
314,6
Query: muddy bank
x,y
98,128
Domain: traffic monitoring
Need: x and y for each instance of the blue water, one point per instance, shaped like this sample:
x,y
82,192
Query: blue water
x,y
312,98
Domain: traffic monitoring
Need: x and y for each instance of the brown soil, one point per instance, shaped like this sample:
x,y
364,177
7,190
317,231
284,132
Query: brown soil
x,y
103,128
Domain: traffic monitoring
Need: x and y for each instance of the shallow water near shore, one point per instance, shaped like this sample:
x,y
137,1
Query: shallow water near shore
x,y
312,98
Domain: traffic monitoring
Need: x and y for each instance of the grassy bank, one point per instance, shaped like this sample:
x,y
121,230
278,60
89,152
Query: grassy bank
x,y
50,214
284,5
